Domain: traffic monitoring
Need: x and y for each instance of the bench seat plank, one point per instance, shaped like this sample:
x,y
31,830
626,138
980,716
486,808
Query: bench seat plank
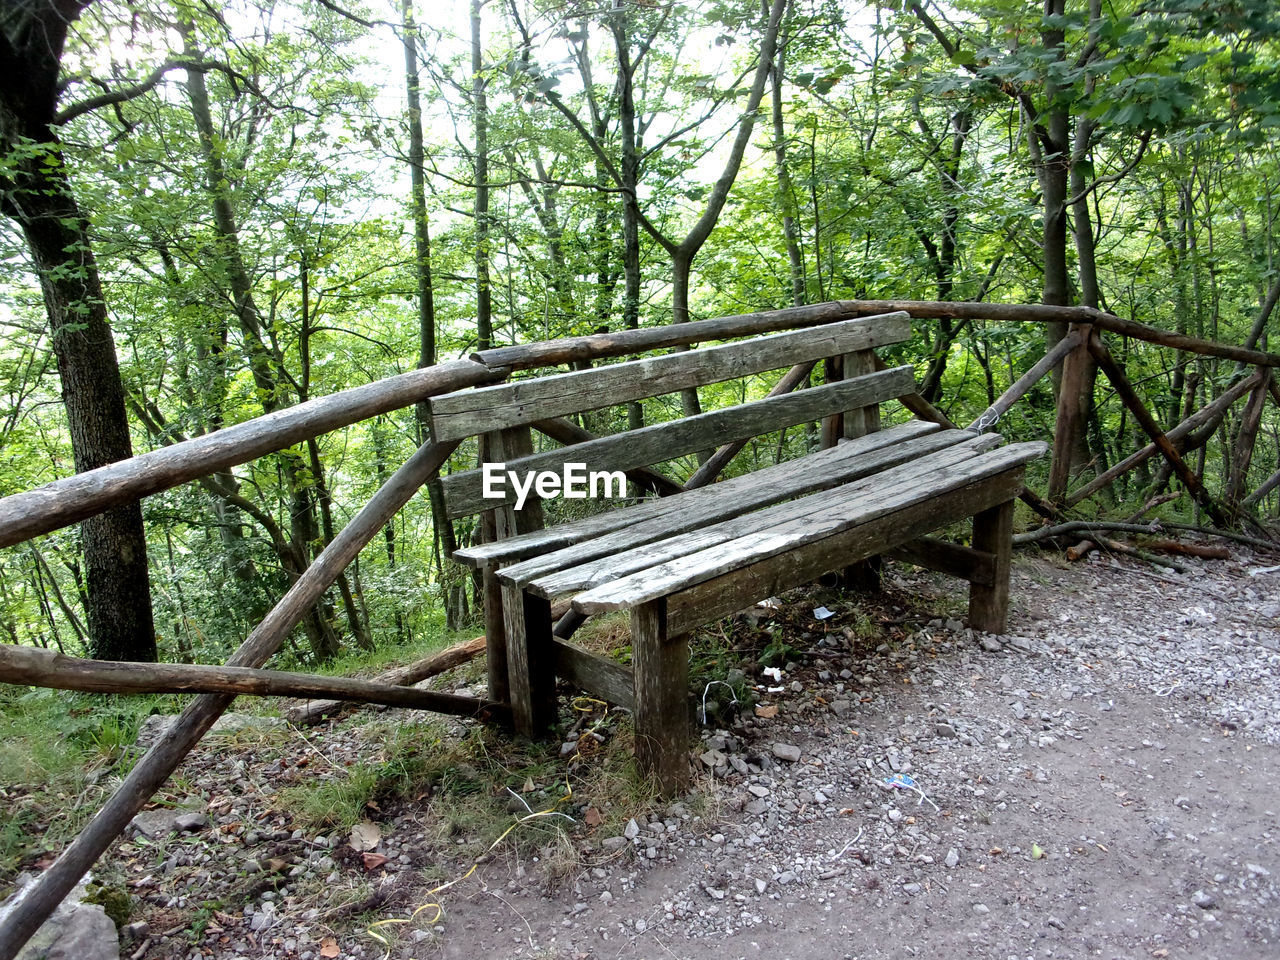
x,y
829,514
728,592
665,441
687,528
842,497
456,415
758,488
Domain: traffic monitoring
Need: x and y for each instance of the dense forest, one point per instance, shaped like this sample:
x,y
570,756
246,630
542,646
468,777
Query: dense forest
x,y
216,211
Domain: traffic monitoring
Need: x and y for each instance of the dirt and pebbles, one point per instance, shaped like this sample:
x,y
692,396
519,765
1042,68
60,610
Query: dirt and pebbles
x,y
1100,782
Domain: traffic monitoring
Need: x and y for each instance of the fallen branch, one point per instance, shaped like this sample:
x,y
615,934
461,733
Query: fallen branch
x,y
1091,526
1203,550
314,711
32,666
1115,546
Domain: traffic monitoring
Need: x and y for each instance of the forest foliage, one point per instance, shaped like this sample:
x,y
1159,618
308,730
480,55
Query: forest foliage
x,y
245,177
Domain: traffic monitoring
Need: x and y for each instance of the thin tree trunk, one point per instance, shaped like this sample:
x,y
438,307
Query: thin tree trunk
x,y
480,106
263,361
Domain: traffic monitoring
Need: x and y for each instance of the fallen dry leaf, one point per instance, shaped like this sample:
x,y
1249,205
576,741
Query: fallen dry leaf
x,y
593,817
770,711
329,948
372,861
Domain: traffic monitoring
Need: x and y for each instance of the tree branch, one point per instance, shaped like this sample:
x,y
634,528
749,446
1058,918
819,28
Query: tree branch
x,y
69,113
1143,140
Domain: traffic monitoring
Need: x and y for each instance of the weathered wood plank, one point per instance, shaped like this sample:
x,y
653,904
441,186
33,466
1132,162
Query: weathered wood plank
x,y
993,534
729,592
686,527
530,661
467,412
313,711
661,664
620,343
967,563
860,422
832,512
756,488
840,500
707,473
63,502
649,445
30,666
599,676
568,433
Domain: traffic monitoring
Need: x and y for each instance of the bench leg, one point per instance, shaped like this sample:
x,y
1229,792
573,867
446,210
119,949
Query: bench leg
x,y
863,575
661,666
993,534
495,638
530,661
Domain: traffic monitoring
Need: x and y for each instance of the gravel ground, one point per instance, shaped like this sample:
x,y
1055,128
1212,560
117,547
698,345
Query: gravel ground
x,y
1100,782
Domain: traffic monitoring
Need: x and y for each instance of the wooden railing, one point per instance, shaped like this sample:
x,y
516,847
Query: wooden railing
x,y
63,502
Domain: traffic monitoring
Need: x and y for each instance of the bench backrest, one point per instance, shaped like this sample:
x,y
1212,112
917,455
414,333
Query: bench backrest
x,y
508,405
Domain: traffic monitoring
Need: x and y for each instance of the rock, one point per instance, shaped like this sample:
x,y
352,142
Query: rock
x,y
945,730
786,751
761,885
631,830
75,931
981,909
155,824
1182,802
190,822
953,858
990,644
1203,900
613,844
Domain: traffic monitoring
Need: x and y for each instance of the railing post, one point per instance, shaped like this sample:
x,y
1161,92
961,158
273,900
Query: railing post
x,y
1073,409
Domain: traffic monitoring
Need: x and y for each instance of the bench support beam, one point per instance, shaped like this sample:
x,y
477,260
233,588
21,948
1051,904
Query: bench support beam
x,y
661,665
989,603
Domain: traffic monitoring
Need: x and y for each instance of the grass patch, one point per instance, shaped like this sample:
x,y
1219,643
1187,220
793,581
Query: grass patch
x,y
58,751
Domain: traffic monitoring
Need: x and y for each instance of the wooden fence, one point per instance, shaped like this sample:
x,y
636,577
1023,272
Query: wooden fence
x,y
63,502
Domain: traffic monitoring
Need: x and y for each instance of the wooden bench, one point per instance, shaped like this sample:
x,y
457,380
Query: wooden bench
x,y
681,560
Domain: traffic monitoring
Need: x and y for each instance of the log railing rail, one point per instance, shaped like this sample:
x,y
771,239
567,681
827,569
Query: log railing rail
x,y
70,500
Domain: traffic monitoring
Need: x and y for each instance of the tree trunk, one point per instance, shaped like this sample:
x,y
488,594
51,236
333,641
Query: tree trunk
x,y
630,171
484,302
264,362
786,189
36,192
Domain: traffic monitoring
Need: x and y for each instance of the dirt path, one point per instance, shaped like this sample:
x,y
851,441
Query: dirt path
x,y
1106,783
1101,782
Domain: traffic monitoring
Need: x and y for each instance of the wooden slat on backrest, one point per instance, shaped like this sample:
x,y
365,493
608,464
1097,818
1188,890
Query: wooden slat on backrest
x,y
470,412
664,441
